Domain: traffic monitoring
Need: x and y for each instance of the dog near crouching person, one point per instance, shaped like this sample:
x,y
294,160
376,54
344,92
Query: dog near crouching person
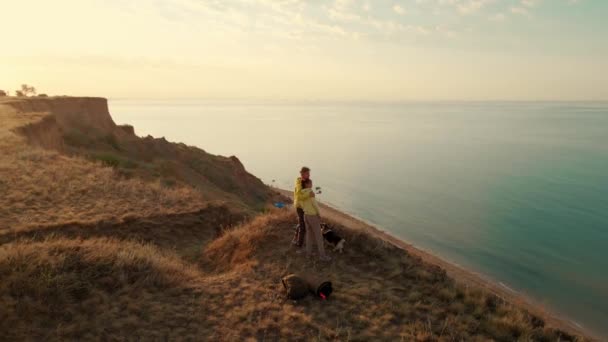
x,y
332,238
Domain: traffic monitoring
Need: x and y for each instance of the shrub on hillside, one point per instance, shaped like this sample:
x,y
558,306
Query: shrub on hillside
x,y
114,161
111,140
77,139
43,95
3,93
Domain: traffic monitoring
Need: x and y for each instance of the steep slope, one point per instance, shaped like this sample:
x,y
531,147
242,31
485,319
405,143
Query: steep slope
x,y
95,289
77,284
381,293
84,127
40,186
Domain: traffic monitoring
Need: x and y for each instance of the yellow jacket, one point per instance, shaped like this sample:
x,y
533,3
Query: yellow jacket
x,y
309,205
298,196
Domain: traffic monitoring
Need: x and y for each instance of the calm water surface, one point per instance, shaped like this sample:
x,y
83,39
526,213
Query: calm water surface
x,y
516,191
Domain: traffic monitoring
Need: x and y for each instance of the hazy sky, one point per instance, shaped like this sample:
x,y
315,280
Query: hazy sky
x,y
308,50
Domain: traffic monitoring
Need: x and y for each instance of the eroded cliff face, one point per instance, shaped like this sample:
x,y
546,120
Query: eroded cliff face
x,y
83,126
51,117
92,111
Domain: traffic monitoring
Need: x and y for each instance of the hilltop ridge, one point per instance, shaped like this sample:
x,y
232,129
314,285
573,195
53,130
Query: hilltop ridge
x,y
76,134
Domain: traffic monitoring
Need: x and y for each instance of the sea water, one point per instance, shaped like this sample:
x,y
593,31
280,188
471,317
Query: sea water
x,y
517,191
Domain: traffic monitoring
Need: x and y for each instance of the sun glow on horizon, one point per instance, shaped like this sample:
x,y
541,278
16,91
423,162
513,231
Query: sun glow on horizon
x,y
302,50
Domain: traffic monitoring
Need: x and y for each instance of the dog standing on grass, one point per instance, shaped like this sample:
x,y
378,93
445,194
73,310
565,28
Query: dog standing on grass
x,y
332,238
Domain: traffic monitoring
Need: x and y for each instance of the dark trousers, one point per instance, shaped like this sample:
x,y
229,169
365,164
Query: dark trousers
x,y
298,238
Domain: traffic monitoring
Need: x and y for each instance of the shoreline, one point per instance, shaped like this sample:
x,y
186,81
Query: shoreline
x,y
458,273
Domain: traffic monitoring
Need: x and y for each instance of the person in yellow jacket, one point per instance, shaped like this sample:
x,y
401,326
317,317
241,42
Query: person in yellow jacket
x,y
312,217
298,197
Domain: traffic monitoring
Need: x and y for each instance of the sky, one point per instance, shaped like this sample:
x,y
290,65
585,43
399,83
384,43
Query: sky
x,y
316,50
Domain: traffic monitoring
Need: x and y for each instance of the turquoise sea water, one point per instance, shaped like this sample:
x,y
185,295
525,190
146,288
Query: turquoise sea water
x,y
515,191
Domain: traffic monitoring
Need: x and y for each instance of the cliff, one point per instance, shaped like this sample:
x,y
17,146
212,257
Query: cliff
x,y
84,127
108,236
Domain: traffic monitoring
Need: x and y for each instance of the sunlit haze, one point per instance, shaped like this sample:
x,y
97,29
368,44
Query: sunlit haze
x,y
309,50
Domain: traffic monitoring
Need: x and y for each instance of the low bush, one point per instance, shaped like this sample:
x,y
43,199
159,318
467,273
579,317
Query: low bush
x,y
76,138
113,160
111,140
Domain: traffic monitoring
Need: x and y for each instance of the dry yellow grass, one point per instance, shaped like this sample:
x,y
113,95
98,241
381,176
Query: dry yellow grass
x,y
381,293
184,233
41,187
91,287
64,160
83,127
95,289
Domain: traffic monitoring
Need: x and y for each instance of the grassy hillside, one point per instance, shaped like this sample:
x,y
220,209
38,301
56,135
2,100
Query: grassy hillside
x,y
63,159
79,283
105,235
43,186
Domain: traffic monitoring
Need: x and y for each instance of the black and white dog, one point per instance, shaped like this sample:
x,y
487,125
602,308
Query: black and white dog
x,y
332,238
